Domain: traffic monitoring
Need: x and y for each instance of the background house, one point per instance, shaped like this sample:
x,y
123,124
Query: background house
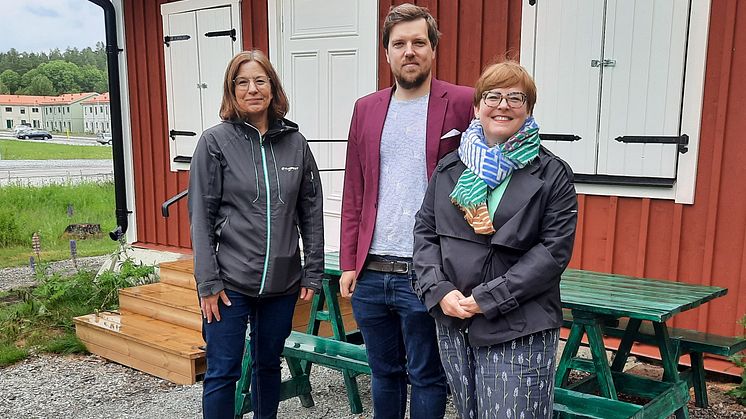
x,y
97,114
642,98
64,113
19,109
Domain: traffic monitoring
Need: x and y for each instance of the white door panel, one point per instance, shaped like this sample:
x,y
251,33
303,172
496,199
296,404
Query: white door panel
x,y
214,55
642,92
185,113
567,85
327,60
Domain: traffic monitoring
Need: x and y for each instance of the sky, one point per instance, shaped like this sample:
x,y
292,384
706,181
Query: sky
x,y
41,25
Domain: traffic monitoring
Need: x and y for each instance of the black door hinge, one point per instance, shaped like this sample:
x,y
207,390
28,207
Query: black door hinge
x,y
560,137
173,133
171,38
231,33
681,141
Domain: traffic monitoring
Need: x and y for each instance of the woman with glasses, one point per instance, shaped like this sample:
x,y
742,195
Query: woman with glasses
x,y
493,235
253,189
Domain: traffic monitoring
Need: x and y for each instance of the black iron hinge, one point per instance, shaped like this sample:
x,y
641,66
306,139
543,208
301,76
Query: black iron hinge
x,y
681,141
231,33
171,38
173,133
559,137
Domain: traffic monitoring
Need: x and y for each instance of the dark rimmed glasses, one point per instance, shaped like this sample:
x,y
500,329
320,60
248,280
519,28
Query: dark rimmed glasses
x,y
514,100
243,83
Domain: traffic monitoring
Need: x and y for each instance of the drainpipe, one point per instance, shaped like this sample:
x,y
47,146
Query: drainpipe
x,y
112,61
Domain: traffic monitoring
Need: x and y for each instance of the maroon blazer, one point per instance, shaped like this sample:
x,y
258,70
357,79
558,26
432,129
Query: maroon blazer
x,y
450,107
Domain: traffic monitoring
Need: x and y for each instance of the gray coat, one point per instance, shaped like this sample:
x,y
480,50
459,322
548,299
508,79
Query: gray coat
x,y
248,201
513,274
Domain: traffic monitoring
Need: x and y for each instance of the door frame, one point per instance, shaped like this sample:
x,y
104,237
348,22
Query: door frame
x,y
691,107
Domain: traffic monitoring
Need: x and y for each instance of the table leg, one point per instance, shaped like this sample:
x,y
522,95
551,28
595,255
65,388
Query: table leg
x,y
568,353
625,346
670,360
600,362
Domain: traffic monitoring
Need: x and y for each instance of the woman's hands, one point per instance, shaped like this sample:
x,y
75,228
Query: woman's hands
x,y
306,294
209,305
454,304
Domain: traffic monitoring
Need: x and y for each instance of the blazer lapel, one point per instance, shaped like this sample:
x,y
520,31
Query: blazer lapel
x,y
522,187
436,112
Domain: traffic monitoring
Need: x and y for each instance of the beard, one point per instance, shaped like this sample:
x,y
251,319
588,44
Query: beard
x,y
411,82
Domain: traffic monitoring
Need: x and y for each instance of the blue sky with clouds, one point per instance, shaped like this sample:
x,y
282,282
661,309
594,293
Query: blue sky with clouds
x,y
41,25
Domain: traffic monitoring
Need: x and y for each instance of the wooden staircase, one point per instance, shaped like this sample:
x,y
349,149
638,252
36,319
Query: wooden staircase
x,y
158,328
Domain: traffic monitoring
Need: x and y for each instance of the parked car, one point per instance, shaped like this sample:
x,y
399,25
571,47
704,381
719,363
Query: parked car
x,y
104,138
34,133
21,128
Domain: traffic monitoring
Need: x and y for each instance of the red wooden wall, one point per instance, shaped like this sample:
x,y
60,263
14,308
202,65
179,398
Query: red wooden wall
x,y
701,243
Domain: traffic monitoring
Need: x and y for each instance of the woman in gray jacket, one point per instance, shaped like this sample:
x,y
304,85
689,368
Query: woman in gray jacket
x,y
492,238
253,187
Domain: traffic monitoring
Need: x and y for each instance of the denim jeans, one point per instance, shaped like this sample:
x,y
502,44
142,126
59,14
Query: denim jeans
x,y
401,341
270,320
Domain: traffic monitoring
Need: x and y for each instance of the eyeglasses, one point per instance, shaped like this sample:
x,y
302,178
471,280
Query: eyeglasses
x,y
514,100
243,83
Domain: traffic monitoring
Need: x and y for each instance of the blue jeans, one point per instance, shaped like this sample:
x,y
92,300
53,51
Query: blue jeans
x,y
400,338
271,320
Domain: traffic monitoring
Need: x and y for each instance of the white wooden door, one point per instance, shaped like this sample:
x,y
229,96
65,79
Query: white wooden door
x,y
216,49
326,56
642,91
182,68
569,37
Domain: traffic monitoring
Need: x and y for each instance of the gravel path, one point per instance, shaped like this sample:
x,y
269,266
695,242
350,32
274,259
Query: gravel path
x,y
13,278
89,387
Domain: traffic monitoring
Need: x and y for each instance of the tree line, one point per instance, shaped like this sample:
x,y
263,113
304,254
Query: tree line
x,y
54,73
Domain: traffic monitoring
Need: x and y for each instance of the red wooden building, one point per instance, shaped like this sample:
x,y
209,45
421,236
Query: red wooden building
x,y
643,72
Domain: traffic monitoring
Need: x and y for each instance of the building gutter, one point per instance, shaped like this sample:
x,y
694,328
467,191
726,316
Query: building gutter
x,y
112,61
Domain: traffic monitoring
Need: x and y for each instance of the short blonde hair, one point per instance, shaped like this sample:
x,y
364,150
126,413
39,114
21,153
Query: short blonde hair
x,y
229,108
505,74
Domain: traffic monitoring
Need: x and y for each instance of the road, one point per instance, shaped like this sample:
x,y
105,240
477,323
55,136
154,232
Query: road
x,y
45,172
57,139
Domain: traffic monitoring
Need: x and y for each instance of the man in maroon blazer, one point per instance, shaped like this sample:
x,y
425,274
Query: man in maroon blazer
x,y
397,135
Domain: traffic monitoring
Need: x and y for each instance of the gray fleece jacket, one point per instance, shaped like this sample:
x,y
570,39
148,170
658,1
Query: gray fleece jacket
x,y
249,198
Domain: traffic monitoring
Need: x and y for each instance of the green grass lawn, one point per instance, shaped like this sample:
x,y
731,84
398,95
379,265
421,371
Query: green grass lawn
x,y
25,210
26,150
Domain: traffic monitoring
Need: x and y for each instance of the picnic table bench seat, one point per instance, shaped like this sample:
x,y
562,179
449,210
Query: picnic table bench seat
x,y
300,351
689,342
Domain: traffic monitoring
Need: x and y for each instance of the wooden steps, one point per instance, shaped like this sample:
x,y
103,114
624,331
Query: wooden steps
x,y
158,329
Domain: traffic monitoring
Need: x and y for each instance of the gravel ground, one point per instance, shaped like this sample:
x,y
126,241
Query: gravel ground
x,y
11,278
88,387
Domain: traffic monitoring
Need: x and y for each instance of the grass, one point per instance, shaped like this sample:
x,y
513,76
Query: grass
x,y
25,150
25,210
41,319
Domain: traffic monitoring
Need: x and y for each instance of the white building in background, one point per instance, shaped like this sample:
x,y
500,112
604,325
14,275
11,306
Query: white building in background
x,y
64,113
97,114
21,110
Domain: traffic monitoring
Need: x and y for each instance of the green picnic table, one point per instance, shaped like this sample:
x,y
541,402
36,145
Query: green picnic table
x,y
597,299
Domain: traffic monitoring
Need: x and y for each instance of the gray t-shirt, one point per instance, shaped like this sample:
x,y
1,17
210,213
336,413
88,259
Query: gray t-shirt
x,y
403,177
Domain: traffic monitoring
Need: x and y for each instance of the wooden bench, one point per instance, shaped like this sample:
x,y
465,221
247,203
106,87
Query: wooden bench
x,y
688,342
301,350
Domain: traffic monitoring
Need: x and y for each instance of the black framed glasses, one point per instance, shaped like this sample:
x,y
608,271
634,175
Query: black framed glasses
x,y
243,83
514,100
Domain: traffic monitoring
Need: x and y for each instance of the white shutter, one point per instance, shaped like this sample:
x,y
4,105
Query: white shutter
x,y
214,54
642,92
568,37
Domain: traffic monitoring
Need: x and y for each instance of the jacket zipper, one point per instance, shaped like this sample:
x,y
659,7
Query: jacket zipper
x,y
269,228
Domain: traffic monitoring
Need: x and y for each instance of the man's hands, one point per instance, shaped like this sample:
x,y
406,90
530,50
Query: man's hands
x,y
306,294
347,283
209,305
454,304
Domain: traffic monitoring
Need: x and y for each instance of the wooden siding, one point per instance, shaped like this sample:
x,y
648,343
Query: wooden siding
x,y
701,243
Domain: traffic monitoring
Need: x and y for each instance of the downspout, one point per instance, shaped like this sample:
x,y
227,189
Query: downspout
x,y
112,62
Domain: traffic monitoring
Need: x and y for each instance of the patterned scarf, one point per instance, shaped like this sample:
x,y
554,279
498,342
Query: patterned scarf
x,y
487,167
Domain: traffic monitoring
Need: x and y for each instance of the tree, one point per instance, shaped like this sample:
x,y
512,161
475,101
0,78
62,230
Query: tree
x,y
4,89
40,86
92,78
65,76
11,80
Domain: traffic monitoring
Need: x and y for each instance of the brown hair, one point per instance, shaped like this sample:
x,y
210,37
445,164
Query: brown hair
x,y
505,74
408,12
229,108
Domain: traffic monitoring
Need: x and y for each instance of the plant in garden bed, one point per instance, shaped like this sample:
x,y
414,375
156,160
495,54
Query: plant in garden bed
x,y
739,392
40,319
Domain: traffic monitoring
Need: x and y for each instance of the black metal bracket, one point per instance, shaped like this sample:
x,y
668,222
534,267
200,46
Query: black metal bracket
x,y
169,38
231,33
532,2
173,133
560,137
681,141
171,201
182,159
